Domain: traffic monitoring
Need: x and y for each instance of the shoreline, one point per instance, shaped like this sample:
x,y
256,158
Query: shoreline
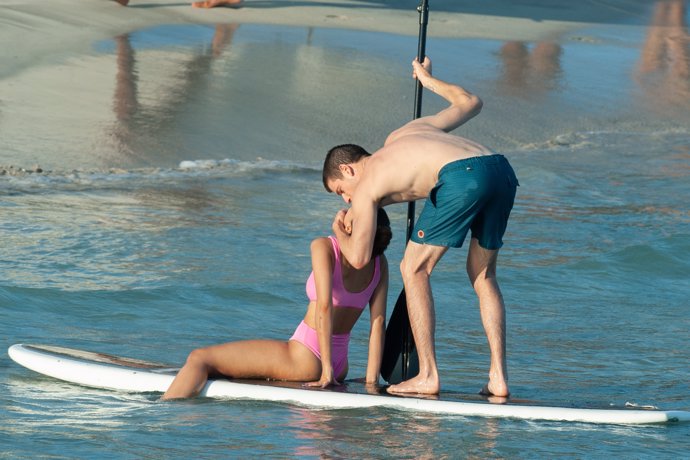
x,y
36,32
90,83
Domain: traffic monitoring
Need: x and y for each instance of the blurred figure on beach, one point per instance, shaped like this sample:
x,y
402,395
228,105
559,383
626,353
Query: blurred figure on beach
x,y
203,4
527,72
663,71
136,122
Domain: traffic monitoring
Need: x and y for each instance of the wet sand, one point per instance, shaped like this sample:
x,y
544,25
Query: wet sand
x,y
93,84
36,30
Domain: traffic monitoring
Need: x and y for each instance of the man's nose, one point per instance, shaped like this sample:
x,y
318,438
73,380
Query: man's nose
x,y
346,198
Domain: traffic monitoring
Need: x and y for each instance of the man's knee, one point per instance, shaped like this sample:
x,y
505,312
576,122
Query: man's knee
x,y
481,263
410,268
481,274
404,269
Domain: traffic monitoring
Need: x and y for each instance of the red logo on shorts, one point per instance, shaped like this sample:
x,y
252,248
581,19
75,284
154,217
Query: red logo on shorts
x,y
420,233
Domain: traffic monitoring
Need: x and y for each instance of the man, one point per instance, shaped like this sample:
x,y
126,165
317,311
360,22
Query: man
x,y
467,187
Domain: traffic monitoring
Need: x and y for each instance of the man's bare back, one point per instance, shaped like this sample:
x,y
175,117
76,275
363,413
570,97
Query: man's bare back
x,y
407,167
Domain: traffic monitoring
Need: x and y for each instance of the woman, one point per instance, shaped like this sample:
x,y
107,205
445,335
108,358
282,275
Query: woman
x,y
317,351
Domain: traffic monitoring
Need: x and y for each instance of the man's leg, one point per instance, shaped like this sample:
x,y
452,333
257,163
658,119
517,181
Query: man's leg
x,y
481,269
416,268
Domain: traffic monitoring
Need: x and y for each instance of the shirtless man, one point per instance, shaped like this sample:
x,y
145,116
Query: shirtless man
x,y
467,186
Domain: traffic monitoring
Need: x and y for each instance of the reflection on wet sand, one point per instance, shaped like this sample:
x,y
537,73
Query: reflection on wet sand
x,y
137,125
125,104
528,72
663,71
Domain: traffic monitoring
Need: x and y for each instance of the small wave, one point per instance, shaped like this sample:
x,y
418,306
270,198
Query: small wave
x,y
578,140
640,406
260,164
19,180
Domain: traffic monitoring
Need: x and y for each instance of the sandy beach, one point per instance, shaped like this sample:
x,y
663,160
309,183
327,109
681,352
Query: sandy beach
x,y
90,83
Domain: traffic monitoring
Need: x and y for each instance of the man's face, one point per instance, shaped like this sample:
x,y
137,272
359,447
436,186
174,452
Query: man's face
x,y
343,186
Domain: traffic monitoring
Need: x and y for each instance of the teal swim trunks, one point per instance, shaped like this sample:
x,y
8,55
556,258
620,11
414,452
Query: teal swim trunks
x,y
473,194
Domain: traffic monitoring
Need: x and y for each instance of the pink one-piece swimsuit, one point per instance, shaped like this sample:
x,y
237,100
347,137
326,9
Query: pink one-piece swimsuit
x,y
341,298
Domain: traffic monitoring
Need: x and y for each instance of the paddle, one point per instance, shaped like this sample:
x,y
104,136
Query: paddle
x,y
400,360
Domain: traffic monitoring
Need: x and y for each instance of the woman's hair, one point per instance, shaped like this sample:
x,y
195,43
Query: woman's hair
x,y
340,155
384,234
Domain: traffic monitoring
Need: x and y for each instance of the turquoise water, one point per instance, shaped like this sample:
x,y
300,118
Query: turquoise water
x,y
193,228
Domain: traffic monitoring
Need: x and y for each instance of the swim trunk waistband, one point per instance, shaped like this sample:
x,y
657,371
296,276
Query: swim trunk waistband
x,y
478,162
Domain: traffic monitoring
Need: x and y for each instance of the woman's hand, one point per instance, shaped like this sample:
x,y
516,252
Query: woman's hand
x,y
323,382
339,223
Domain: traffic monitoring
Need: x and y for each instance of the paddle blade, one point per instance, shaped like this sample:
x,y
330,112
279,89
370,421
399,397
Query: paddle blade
x,y
400,360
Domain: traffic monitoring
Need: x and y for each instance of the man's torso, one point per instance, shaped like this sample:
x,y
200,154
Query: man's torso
x,y
407,168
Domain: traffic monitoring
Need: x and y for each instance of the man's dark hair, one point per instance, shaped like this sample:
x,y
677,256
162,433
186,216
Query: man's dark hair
x,y
341,155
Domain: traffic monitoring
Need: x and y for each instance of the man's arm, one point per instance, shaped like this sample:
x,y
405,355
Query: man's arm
x,y
463,104
355,230
377,329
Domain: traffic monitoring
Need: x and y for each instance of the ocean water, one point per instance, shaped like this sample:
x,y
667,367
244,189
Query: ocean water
x,y
182,217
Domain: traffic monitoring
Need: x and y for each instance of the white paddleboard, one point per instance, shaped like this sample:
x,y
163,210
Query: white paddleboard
x,y
117,373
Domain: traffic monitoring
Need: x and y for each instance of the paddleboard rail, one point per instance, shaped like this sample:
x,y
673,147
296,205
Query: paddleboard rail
x,y
111,372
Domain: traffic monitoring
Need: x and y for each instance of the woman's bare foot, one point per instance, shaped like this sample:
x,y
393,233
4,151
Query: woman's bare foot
x,y
216,3
416,385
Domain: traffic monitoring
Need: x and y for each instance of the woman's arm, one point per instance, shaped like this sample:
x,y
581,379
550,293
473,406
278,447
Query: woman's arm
x,y
323,261
377,332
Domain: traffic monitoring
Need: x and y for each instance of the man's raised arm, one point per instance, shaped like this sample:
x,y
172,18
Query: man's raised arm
x,y
463,104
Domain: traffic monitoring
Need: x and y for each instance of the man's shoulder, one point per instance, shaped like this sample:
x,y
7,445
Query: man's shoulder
x,y
408,132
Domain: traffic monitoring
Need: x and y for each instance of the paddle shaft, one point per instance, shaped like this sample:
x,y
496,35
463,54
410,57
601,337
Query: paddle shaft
x,y
399,338
408,339
423,9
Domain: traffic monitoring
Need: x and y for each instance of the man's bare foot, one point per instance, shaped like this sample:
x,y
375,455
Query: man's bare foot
x,y
122,2
216,3
499,390
416,385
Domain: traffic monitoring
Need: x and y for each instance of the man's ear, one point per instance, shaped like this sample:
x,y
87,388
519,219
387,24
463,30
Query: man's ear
x,y
346,170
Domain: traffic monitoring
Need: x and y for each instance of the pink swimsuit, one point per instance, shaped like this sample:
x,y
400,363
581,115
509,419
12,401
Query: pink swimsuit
x,y
341,298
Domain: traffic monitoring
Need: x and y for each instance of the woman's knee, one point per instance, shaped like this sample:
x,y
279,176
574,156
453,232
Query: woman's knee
x,y
198,358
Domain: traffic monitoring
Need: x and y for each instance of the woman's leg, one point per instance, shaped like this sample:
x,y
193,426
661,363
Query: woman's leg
x,y
245,359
